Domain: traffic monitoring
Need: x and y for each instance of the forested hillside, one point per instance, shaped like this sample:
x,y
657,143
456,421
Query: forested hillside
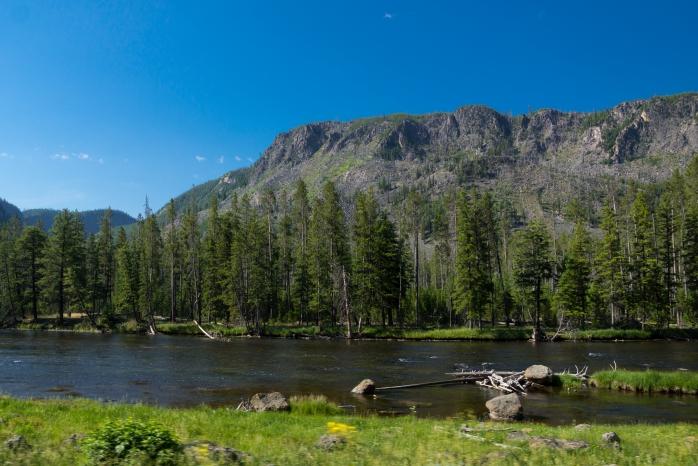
x,y
8,211
466,257
554,219
90,218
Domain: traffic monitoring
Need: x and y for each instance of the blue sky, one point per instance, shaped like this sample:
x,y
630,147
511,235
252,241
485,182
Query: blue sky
x,y
103,103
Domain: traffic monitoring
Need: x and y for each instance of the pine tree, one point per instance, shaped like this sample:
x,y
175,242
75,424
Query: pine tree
x,y
285,256
329,252
646,272
215,258
63,263
573,287
473,278
690,259
172,253
150,268
31,251
105,264
610,265
125,276
533,265
301,215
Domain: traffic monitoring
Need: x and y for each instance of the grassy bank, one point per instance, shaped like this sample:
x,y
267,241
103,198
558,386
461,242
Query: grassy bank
x,y
647,381
290,438
500,333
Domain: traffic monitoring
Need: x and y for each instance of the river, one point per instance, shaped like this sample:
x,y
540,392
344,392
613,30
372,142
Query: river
x,y
188,371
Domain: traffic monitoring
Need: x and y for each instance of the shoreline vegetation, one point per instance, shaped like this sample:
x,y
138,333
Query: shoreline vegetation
x,y
502,333
70,432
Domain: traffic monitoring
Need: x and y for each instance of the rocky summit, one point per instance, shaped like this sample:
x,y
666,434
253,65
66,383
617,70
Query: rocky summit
x,y
539,159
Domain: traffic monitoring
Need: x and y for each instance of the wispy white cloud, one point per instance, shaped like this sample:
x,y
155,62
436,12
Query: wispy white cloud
x,y
83,156
100,161
60,156
249,159
199,158
5,155
221,159
388,15
238,159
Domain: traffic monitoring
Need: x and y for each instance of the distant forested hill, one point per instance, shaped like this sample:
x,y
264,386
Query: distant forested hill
x,y
91,218
7,211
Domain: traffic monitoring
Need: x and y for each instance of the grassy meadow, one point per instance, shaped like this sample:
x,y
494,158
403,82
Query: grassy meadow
x,y
291,438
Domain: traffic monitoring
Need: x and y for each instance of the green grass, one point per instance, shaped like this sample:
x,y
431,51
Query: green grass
x,y
647,381
453,333
279,330
290,438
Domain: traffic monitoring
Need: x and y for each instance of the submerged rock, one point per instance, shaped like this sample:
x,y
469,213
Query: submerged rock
x,y
539,373
365,387
505,407
273,401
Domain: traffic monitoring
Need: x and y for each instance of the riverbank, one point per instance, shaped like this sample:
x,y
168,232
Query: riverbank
x,y
53,430
500,333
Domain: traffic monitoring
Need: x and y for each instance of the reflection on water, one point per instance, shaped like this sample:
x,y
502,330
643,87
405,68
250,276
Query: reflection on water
x,y
185,371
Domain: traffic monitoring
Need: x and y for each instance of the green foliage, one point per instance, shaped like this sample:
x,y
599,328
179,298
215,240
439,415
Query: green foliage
x,y
313,405
647,381
118,441
594,119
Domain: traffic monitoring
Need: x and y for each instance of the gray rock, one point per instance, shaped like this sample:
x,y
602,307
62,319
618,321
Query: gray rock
x,y
365,387
273,401
16,442
583,426
517,436
330,442
539,374
611,438
505,407
538,442
206,452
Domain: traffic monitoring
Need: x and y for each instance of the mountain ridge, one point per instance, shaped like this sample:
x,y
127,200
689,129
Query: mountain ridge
x,y
545,153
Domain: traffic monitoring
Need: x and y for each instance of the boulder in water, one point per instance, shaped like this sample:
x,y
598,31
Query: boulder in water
x,y
365,387
505,407
539,373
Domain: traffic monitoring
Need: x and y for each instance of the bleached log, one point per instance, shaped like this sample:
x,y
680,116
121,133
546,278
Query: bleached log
x,y
204,331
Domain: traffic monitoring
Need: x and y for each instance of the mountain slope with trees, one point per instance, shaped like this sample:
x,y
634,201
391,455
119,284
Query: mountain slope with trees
x,y
8,211
540,160
91,218
617,249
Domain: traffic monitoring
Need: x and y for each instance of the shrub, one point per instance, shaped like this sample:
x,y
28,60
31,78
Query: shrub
x,y
123,440
313,405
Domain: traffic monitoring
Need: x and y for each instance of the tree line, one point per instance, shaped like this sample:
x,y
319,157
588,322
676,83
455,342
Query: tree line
x,y
462,258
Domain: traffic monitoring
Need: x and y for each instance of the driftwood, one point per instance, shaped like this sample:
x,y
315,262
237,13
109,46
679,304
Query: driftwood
x,y
514,383
423,384
505,381
204,331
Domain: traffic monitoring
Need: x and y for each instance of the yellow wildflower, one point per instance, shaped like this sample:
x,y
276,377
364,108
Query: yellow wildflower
x,y
340,428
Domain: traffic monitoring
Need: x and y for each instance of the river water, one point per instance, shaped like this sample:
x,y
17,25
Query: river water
x,y
186,371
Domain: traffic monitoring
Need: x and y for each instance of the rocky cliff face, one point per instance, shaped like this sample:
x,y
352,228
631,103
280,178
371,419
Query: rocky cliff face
x,y
544,153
